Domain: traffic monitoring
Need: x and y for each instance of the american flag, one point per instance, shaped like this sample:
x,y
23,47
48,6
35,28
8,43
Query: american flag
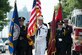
x,y
36,11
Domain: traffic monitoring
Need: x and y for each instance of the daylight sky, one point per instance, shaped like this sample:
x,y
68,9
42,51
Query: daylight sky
x,y
47,7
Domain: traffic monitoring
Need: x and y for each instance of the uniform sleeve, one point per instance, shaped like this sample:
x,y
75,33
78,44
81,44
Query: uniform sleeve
x,y
43,34
71,29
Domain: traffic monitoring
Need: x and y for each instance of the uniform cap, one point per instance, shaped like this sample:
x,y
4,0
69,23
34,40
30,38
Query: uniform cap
x,y
21,18
60,23
40,18
65,20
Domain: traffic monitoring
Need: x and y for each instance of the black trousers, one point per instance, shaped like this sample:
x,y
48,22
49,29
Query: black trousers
x,y
68,49
60,52
24,51
29,50
23,48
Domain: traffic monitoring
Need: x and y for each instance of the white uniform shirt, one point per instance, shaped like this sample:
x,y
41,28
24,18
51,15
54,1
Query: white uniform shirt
x,y
40,40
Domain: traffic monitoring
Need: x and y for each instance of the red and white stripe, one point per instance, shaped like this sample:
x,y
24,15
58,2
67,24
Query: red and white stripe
x,y
33,18
38,5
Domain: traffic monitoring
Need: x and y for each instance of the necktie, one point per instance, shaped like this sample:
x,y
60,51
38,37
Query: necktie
x,y
38,31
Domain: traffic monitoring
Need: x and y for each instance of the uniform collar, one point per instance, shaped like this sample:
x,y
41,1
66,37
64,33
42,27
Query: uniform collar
x,y
39,26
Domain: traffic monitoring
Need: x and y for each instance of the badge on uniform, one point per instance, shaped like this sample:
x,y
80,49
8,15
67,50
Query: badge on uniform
x,y
60,39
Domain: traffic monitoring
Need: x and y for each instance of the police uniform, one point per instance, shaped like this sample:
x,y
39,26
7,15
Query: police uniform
x,y
68,38
23,46
40,40
60,39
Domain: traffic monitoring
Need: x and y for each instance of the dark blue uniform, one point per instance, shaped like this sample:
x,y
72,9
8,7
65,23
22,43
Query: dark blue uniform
x,y
68,39
23,46
60,38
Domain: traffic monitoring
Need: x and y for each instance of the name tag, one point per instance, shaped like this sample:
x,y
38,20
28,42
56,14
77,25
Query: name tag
x,y
60,39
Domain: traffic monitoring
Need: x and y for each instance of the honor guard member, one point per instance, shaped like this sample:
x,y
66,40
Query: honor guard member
x,y
68,39
60,50
40,38
22,40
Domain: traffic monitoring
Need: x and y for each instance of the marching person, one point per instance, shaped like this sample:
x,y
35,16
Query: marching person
x,y
68,39
22,40
60,45
40,38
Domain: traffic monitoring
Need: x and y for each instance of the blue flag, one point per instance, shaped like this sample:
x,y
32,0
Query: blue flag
x,y
14,30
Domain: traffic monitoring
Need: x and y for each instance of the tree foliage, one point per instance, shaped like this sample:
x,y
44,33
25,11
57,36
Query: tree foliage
x,y
69,5
4,8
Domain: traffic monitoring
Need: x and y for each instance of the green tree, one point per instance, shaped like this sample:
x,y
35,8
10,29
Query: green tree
x,y
4,8
69,5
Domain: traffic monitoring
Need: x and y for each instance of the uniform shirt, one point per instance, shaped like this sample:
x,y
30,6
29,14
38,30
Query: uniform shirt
x,y
42,33
22,39
40,40
22,33
60,37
